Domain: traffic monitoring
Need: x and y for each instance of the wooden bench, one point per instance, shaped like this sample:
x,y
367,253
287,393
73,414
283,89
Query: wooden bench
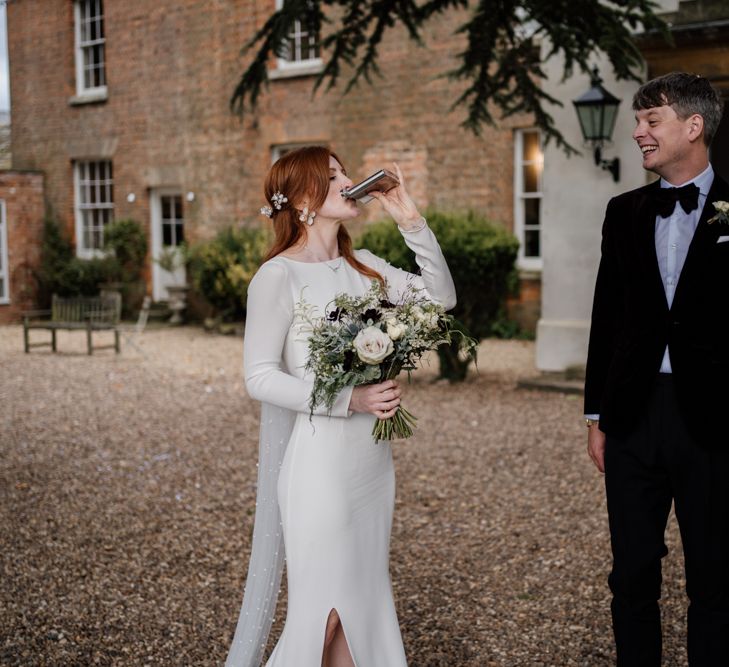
x,y
99,313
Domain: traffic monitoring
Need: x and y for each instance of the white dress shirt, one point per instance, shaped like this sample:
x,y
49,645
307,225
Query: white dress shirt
x,y
673,238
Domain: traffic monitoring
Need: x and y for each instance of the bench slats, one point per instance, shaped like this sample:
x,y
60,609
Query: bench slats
x,y
87,313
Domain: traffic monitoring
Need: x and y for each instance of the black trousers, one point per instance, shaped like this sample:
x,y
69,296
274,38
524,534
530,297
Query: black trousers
x,y
656,464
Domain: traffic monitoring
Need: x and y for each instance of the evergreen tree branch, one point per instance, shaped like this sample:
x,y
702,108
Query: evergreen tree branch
x,y
506,44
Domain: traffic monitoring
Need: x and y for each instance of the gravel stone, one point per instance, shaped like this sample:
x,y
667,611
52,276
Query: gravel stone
x,y
127,489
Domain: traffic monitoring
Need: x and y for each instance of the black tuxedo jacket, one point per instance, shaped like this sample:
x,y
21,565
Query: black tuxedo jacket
x,y
632,323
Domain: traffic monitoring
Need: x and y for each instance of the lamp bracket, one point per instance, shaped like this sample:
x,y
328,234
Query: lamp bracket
x,y
613,166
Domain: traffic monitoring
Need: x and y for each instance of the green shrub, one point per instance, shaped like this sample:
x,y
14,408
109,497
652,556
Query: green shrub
x,y
62,273
481,256
127,242
82,277
56,253
222,268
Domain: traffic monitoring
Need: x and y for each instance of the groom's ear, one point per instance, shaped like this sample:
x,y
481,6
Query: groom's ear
x,y
695,124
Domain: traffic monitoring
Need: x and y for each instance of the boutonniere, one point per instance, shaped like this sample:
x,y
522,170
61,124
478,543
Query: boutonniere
x,y
722,212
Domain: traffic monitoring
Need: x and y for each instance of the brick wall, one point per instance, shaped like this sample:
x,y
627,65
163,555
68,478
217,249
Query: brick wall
x,y
22,193
171,68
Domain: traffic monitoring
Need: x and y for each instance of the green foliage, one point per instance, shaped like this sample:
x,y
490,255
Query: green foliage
x,y
502,60
222,268
128,244
170,258
56,253
62,273
481,256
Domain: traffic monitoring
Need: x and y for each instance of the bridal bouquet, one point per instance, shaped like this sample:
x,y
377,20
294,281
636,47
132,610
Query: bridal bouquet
x,y
367,339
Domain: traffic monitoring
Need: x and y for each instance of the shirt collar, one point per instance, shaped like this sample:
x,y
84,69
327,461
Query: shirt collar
x,y
703,181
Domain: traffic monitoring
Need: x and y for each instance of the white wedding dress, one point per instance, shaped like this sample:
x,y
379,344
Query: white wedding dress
x,y
336,485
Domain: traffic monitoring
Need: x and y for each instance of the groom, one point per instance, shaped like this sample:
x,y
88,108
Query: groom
x,y
657,382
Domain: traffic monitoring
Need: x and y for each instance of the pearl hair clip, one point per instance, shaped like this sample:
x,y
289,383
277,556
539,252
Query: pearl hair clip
x,y
278,200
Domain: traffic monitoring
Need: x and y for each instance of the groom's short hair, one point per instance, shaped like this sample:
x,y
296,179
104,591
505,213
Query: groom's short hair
x,y
686,94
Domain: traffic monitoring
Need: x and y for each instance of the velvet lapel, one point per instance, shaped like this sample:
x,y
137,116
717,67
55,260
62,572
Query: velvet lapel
x,y
644,226
704,237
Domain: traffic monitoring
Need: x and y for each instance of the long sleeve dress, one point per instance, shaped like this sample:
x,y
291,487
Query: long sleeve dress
x,y
336,485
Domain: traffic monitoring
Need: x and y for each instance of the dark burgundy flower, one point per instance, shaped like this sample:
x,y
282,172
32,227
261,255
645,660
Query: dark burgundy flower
x,y
371,314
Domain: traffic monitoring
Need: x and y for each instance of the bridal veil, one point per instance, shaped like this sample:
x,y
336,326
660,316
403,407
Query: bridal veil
x,y
267,552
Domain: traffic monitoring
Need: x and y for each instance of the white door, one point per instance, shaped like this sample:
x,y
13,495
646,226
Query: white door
x,y
168,234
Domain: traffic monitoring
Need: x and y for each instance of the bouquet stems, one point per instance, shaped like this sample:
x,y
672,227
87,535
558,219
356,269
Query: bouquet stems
x,y
400,425
403,422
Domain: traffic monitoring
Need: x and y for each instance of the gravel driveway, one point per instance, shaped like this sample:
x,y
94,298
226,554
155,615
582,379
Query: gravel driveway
x,y
127,497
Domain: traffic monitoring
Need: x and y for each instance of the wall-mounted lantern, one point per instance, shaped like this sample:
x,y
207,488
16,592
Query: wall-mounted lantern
x,y
596,111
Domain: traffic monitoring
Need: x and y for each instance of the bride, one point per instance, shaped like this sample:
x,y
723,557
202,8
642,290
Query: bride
x,y
326,490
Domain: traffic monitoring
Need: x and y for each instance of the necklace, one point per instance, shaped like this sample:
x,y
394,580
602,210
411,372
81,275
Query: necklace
x,y
327,262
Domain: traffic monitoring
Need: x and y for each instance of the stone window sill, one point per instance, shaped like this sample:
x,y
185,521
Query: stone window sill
x,y
529,271
291,71
89,98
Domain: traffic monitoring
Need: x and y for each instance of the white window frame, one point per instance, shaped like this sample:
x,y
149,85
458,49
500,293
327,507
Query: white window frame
x,y
278,150
4,269
95,92
301,67
527,263
79,207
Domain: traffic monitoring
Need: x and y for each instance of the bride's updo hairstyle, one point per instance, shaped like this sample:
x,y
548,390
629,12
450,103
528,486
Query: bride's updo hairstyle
x,y
303,174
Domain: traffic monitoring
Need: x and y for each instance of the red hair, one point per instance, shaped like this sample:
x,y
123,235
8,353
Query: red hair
x,y
303,174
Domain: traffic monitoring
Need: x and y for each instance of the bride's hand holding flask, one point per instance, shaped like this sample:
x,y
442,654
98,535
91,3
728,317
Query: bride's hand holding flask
x,y
398,203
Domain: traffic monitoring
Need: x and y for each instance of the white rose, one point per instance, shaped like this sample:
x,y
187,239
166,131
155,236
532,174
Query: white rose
x,y
372,345
722,206
395,329
418,313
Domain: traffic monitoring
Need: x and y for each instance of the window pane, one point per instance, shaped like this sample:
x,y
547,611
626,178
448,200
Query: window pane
x,y
91,47
531,243
532,150
180,233
531,212
86,218
101,79
165,208
166,233
531,177
96,201
301,45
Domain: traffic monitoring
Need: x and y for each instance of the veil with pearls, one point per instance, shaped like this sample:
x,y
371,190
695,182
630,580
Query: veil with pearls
x,y
267,552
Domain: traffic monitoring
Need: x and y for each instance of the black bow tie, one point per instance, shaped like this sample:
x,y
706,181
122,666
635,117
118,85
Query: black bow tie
x,y
666,198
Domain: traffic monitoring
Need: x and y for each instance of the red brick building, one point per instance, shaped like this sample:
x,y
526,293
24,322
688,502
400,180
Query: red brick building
x,y
124,108
21,229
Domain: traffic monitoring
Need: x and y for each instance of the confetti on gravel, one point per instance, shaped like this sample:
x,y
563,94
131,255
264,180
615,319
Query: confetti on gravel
x,y
127,488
